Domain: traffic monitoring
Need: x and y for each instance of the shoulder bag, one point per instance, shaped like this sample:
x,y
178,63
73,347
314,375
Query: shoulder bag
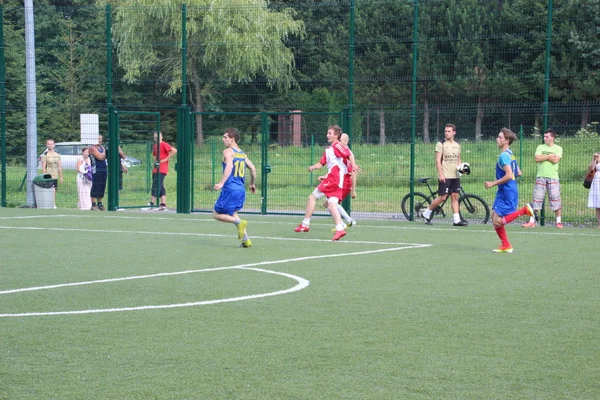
x,y
589,177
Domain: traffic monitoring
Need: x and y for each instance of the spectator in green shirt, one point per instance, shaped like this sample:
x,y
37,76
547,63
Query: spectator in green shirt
x,y
547,157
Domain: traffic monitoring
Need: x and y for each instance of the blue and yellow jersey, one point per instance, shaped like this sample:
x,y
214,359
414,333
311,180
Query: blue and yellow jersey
x,y
236,180
507,158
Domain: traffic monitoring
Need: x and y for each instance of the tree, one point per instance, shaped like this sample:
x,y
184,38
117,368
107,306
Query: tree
x,y
228,41
576,51
383,62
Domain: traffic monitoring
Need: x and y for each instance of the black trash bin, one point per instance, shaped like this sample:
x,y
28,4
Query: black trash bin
x,y
44,191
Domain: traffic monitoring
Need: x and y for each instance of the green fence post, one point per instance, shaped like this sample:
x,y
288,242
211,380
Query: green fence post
x,y
265,167
184,165
108,56
2,108
149,167
413,111
312,157
192,144
520,145
546,87
183,55
213,163
351,67
547,67
347,202
114,160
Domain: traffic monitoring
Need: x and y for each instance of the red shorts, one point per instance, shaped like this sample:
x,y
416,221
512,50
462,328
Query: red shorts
x,y
330,189
345,192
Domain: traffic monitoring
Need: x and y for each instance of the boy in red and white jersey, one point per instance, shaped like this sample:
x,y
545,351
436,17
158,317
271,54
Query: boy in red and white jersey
x,y
335,158
349,185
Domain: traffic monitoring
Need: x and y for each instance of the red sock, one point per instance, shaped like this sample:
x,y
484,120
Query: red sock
x,y
501,232
514,215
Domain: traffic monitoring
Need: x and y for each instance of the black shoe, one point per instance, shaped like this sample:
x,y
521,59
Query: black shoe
x,y
428,220
461,223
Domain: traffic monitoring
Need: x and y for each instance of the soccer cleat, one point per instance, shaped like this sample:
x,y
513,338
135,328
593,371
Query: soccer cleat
x,y
338,235
242,228
428,220
529,225
101,207
162,207
502,249
529,209
350,224
302,228
246,244
461,223
345,226
559,225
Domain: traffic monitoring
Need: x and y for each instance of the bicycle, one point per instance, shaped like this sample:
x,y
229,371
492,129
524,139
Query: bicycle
x,y
472,208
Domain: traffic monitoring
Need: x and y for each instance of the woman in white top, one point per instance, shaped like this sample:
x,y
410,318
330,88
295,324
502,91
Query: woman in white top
x,y
594,196
84,185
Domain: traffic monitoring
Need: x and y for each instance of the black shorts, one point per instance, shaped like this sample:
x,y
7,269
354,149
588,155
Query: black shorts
x,y
98,185
160,184
448,187
55,183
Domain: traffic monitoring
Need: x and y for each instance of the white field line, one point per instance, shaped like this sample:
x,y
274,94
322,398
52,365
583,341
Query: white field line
x,y
163,233
404,226
302,283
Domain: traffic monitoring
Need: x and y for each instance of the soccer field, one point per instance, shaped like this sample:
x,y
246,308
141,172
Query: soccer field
x,y
148,305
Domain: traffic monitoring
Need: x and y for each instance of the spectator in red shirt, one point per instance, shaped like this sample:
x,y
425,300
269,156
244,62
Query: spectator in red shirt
x,y
162,153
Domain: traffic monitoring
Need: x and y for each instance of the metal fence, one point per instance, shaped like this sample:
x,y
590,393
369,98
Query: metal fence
x,y
392,73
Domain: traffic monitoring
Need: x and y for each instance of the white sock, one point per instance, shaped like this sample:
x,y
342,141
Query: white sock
x,y
339,227
532,219
306,221
427,213
343,213
456,218
558,220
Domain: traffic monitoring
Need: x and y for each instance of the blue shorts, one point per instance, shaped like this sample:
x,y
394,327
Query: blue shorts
x,y
506,202
230,201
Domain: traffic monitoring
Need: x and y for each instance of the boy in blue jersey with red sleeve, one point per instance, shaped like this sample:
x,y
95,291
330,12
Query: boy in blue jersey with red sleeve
x,y
233,191
507,196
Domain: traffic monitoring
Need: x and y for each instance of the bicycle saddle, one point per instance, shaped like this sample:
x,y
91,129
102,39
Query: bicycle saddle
x,y
423,180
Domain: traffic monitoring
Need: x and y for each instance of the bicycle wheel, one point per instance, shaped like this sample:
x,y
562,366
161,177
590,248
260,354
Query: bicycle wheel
x,y
473,209
421,203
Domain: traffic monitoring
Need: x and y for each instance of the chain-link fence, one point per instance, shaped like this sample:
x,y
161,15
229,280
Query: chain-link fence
x,y
391,73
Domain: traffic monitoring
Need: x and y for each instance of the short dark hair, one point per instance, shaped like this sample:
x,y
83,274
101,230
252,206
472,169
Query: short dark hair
x,y
451,126
552,132
233,133
509,135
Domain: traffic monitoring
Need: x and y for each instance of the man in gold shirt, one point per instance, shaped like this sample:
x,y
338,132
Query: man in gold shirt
x,y
447,158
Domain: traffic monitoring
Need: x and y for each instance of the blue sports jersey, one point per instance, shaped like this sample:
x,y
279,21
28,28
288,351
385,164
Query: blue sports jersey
x,y
507,196
236,180
505,158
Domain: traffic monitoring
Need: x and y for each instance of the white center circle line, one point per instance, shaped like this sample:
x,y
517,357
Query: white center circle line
x,y
301,284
